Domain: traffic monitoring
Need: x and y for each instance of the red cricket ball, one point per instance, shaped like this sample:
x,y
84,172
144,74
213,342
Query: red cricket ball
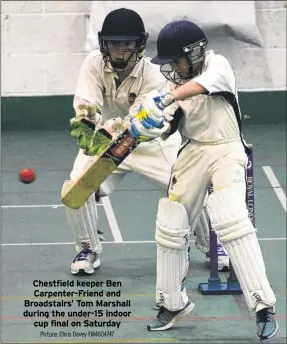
x,y
27,176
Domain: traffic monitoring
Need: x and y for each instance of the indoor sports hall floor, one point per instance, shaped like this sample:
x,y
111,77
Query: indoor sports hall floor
x,y
36,245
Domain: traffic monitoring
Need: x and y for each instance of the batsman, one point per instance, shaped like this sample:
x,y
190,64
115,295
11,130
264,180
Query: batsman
x,y
113,81
203,86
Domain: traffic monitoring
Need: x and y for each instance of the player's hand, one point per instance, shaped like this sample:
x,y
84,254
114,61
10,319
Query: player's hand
x,y
82,130
167,104
104,135
82,127
166,100
155,109
142,134
170,106
115,125
148,113
98,143
89,111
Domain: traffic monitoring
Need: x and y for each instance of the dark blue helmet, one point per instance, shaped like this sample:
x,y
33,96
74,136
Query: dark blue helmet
x,y
177,39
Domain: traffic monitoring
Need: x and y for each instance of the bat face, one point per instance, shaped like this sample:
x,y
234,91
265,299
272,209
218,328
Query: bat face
x,y
75,193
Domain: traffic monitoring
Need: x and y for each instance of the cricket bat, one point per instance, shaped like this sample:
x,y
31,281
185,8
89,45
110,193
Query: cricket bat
x,y
75,193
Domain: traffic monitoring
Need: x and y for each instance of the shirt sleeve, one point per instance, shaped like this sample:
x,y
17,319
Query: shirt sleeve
x,y
218,76
152,80
89,87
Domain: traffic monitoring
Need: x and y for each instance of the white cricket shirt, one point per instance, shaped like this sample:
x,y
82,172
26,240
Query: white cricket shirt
x,y
211,117
97,84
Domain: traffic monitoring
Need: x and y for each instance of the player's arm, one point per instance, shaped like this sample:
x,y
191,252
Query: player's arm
x,y
172,113
217,79
190,89
88,98
88,101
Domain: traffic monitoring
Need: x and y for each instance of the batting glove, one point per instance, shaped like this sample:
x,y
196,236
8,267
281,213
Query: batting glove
x,y
155,109
148,113
165,100
142,134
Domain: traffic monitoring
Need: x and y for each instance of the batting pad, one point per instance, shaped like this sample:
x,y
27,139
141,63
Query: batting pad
x,y
228,215
172,236
202,232
230,221
83,223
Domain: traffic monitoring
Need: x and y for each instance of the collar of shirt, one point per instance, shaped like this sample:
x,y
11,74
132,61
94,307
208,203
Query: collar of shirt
x,y
134,72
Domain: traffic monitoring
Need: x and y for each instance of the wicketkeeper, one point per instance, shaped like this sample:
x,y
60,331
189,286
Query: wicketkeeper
x,y
113,81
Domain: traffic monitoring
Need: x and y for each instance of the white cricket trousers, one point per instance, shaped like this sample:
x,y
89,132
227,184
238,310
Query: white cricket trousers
x,y
152,160
199,165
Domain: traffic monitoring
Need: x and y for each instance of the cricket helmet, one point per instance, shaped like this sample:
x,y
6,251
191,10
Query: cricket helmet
x,y
123,25
176,40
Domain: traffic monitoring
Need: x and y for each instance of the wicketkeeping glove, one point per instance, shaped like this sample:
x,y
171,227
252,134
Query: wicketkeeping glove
x,y
82,127
100,140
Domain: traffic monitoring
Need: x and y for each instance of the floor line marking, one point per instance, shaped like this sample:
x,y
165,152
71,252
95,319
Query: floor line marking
x,y
276,185
112,219
110,242
53,206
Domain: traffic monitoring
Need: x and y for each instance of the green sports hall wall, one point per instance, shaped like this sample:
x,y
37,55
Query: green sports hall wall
x,y
54,112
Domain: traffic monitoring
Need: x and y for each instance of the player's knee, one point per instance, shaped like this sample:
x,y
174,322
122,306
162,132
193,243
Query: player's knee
x,y
172,224
228,215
